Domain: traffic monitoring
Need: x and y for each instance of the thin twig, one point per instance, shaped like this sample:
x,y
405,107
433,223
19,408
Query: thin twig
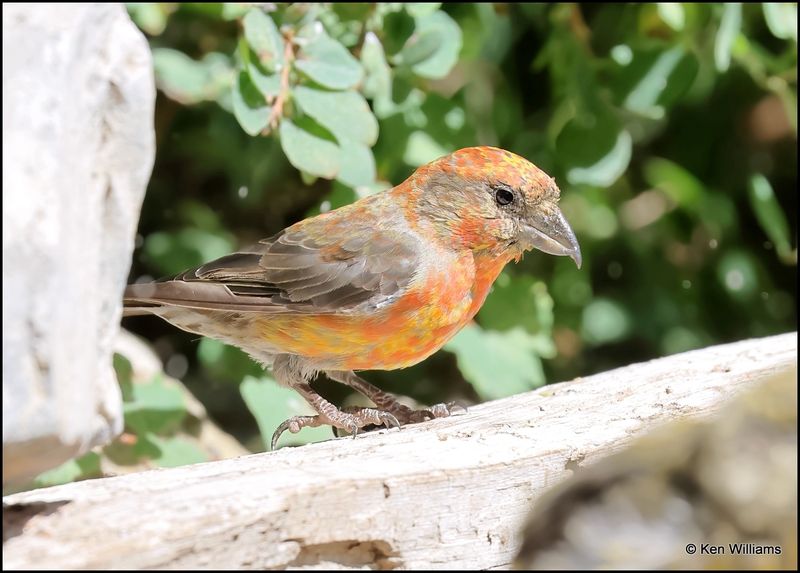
x,y
276,113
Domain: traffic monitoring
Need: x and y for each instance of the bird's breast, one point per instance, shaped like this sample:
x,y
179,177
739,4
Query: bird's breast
x,y
444,298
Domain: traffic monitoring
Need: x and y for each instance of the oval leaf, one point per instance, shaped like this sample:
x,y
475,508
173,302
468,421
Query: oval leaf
x,y
345,114
594,148
328,63
770,215
655,80
268,84
420,47
357,164
432,51
497,364
263,36
729,29
378,80
781,19
249,106
309,153
271,404
189,81
672,14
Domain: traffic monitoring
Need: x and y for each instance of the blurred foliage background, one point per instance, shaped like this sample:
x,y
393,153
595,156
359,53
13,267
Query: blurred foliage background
x,y
670,128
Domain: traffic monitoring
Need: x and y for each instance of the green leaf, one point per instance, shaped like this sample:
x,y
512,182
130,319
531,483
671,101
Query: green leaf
x,y
249,106
174,252
672,14
132,452
339,196
421,149
521,301
676,182
176,451
729,28
264,37
396,29
268,84
497,364
308,152
86,466
680,339
770,215
420,47
328,63
421,9
271,404
149,16
307,178
156,407
433,48
235,10
594,148
378,79
357,164
781,19
225,362
346,11
605,321
124,372
188,81
654,80
345,114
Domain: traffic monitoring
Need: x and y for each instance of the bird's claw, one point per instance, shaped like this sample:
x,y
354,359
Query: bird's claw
x,y
350,419
294,425
354,419
447,409
407,415
371,417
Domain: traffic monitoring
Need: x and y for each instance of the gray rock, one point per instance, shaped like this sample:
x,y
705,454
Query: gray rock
x,y
78,149
716,495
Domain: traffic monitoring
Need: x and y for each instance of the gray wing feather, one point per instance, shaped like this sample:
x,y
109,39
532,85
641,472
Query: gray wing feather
x,y
292,273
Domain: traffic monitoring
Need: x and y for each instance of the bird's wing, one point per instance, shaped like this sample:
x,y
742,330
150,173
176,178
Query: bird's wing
x,y
300,270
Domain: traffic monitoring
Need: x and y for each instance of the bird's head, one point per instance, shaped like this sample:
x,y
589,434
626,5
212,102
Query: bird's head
x,y
489,198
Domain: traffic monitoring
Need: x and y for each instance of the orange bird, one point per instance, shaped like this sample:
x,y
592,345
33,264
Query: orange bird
x,y
379,284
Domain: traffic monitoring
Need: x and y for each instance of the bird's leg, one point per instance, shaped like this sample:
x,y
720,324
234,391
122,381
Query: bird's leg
x,y
388,403
331,415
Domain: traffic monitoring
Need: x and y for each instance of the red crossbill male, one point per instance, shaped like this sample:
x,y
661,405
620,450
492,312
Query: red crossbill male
x,y
379,284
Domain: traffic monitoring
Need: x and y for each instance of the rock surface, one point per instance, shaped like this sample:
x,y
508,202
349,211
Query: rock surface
x,y
719,495
78,149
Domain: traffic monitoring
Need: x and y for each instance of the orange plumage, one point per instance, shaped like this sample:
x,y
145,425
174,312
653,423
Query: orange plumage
x,y
382,283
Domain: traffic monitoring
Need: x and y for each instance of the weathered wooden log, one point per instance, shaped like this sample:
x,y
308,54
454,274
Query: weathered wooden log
x,y
450,493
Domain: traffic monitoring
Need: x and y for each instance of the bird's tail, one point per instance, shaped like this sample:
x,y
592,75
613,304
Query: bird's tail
x,y
137,300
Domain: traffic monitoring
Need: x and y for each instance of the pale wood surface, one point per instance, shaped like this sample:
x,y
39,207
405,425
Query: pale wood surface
x,y
451,493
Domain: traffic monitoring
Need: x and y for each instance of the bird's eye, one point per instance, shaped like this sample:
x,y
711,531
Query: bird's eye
x,y
503,195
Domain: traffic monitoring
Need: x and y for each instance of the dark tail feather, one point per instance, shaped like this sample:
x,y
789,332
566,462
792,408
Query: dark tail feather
x,y
134,308
147,298
136,300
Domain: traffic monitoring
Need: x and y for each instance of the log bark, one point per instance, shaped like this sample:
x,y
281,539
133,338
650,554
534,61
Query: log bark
x,y
450,493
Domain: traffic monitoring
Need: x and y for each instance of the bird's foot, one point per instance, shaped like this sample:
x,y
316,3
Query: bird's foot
x,y
388,403
350,419
405,415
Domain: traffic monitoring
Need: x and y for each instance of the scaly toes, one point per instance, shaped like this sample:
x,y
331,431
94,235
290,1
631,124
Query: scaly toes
x,y
407,415
355,418
410,416
350,419
447,409
294,425
367,419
